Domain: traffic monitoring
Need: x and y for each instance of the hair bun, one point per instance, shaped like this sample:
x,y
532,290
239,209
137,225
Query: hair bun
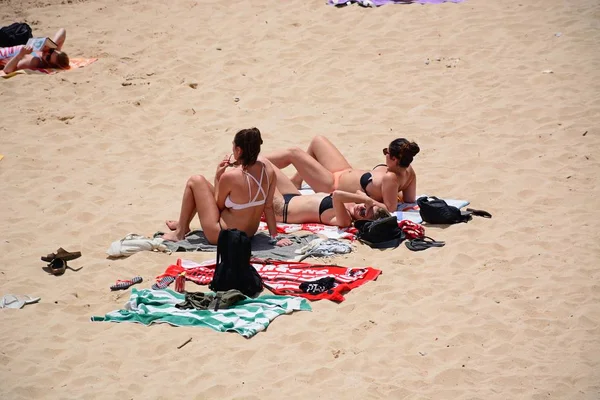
x,y
413,149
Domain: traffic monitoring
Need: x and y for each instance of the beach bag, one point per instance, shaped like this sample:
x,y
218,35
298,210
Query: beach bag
x,y
380,234
233,270
15,34
437,211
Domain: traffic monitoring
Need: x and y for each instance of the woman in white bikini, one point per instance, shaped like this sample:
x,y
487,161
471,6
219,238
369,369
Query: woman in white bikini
x,y
337,209
238,198
325,169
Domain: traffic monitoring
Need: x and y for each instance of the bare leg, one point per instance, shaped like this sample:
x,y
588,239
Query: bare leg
x,y
284,184
198,197
326,154
281,159
59,38
315,174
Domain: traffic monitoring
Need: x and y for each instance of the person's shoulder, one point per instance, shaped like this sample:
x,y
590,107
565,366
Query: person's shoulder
x,y
230,175
265,162
390,176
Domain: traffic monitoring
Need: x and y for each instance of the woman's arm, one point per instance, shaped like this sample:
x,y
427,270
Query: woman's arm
x,y
389,191
17,61
222,189
340,198
221,168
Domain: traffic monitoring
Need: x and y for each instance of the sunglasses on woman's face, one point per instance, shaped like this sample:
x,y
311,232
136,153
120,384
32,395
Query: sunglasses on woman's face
x,y
386,152
48,56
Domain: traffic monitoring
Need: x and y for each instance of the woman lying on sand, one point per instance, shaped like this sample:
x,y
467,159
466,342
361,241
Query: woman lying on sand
x,y
19,57
337,209
238,198
325,169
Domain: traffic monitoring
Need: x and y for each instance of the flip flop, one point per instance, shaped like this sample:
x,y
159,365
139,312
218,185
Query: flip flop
x,y
62,254
423,244
17,301
163,283
479,213
122,285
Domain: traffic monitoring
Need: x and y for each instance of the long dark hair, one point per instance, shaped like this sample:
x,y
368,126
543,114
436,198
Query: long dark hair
x,y
249,140
404,151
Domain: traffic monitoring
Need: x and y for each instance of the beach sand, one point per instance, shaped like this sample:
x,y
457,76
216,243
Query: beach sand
x,y
508,309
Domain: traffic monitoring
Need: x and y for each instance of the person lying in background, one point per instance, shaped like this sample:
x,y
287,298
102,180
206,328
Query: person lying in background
x,y
326,169
22,57
339,208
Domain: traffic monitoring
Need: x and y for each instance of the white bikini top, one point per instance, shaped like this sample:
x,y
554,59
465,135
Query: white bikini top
x,y
253,202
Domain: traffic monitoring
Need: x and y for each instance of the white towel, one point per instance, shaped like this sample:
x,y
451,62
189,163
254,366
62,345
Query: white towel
x,y
134,243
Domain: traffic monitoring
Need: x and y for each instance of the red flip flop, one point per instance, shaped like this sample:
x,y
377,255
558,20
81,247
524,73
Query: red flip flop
x,y
122,285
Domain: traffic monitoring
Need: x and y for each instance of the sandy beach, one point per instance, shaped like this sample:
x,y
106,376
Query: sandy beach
x,y
502,97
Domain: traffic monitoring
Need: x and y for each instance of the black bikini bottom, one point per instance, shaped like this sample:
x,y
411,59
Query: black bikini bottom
x,y
286,202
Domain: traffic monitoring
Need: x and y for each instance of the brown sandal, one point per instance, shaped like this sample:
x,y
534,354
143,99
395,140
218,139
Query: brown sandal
x,y
63,255
58,266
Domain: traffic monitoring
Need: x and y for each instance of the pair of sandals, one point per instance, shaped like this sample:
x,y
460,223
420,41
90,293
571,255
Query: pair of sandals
x,y
57,262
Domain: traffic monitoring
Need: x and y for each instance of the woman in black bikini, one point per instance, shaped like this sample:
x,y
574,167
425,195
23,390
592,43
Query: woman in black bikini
x,y
338,209
325,169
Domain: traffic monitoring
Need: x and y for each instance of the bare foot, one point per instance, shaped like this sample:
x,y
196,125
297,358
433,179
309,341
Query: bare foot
x,y
172,225
173,236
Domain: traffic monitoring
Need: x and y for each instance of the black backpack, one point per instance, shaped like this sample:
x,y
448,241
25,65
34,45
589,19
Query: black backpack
x,y
437,211
15,34
233,270
380,234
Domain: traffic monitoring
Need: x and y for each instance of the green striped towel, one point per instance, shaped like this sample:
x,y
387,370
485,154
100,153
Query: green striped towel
x,y
247,317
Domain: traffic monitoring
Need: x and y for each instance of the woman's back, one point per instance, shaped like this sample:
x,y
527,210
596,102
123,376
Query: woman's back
x,y
248,196
404,179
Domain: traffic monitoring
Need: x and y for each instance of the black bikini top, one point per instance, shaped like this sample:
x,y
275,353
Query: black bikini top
x,y
326,204
367,178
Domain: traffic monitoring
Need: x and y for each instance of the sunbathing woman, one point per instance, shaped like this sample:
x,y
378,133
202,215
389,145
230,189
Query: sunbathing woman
x,y
238,198
337,209
325,169
21,57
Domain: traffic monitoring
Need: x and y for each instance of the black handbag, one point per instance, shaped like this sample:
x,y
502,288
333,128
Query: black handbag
x,y
437,211
380,234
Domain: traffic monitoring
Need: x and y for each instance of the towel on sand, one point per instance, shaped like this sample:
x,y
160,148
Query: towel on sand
x,y
133,243
282,277
377,3
332,232
196,241
247,317
74,63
